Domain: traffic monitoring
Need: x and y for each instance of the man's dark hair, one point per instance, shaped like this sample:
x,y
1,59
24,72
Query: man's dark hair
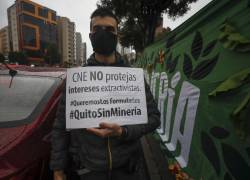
x,y
102,12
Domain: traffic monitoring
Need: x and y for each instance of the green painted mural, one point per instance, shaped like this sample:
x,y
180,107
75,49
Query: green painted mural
x,y
200,76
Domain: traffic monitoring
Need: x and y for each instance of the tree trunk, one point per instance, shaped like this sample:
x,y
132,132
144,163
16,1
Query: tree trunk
x,y
151,28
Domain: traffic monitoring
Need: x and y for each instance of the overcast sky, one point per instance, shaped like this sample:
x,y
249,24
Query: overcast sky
x,y
79,12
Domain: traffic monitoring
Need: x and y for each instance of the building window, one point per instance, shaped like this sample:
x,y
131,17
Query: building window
x,y
28,7
29,36
43,12
53,16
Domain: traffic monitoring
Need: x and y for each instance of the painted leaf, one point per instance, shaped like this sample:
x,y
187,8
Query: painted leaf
x,y
170,41
155,62
152,57
232,39
233,82
242,105
240,119
209,48
227,176
210,151
187,66
167,51
173,64
204,68
219,132
197,45
168,62
235,163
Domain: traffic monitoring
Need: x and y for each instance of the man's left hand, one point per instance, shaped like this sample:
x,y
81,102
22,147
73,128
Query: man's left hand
x,y
107,129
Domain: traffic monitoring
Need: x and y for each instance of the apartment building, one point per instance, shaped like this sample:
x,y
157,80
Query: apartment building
x,y
33,28
4,40
66,40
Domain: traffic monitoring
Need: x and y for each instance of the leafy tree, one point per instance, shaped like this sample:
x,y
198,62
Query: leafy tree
x,y
19,57
132,35
139,18
12,57
22,58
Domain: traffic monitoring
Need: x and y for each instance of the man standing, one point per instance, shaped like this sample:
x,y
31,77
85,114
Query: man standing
x,y
107,152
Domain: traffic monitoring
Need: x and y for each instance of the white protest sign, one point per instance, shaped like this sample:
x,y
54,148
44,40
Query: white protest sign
x,y
105,94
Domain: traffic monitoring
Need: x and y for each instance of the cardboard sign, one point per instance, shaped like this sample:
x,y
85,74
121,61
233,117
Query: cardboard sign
x,y
105,94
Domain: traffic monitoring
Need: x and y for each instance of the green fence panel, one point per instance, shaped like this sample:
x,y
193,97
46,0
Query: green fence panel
x,y
199,75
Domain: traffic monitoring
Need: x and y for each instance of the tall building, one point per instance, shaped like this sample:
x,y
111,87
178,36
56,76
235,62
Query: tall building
x,y
79,52
13,32
66,40
1,46
4,41
33,28
84,53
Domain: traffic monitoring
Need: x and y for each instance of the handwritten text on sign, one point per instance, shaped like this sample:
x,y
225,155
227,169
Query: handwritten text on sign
x,y
105,94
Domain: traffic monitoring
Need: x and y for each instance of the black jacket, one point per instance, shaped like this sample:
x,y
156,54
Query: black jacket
x,y
91,151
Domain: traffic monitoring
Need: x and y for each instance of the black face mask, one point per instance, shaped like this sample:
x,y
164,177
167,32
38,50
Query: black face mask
x,y
103,42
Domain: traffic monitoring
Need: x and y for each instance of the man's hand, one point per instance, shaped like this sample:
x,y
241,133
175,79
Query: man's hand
x,y
59,175
107,129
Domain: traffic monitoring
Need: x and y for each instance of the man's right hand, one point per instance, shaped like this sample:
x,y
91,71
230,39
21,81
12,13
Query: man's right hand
x,y
59,175
107,129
